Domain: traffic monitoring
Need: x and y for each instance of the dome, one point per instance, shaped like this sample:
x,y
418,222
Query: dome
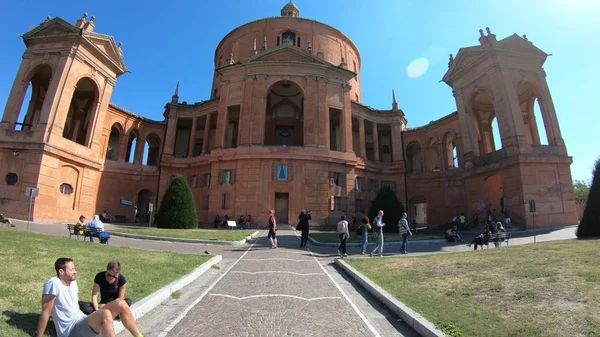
x,y
290,10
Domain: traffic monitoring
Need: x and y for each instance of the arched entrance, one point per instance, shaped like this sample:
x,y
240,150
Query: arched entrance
x,y
145,197
418,210
82,109
533,113
284,121
493,193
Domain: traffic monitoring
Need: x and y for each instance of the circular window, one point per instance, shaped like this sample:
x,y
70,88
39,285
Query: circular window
x,y
66,189
11,179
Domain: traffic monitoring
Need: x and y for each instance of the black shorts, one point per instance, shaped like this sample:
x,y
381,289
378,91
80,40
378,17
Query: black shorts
x,y
272,234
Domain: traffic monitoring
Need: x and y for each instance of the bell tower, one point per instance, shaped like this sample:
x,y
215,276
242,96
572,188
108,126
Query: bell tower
x,y
70,73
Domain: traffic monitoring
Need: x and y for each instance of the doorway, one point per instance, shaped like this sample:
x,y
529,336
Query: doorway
x,y
143,207
281,207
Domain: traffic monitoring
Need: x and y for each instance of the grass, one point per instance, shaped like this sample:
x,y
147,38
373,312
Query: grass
x,y
328,237
195,234
546,289
28,261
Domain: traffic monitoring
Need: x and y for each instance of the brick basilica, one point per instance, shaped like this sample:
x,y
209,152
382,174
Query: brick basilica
x,y
284,127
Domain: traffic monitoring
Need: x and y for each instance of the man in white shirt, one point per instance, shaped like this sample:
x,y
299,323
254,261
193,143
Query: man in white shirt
x,y
60,299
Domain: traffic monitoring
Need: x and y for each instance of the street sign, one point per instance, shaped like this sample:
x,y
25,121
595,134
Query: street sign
x,y
32,192
532,206
150,207
231,224
126,202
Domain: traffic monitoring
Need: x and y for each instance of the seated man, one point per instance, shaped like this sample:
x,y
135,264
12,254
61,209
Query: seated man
x,y
111,284
60,299
99,226
4,220
79,226
452,234
481,239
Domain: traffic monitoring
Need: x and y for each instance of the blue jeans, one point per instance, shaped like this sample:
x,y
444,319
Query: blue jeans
x,y
365,241
404,241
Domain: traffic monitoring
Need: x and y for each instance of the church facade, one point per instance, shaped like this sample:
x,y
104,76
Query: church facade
x,y
284,128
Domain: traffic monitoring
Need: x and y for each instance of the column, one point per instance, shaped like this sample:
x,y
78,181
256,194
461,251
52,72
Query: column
x,y
396,141
468,136
311,113
509,114
246,111
171,133
361,137
222,116
123,139
346,124
192,142
323,113
139,150
549,113
206,134
259,106
375,142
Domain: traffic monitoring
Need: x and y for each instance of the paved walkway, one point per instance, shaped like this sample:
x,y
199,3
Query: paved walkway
x,y
286,291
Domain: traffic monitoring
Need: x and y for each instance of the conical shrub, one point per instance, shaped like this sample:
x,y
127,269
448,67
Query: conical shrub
x,y
387,201
590,222
178,209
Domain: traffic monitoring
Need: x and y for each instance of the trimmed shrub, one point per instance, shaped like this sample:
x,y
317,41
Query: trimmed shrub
x,y
590,222
387,201
178,209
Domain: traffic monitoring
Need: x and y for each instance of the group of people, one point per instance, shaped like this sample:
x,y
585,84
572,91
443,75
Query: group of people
x,y
94,228
60,298
487,234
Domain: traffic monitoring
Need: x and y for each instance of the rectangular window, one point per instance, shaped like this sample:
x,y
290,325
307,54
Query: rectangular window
x,y
359,206
278,40
298,42
206,180
282,172
226,201
357,183
388,184
337,203
194,181
336,179
372,185
226,177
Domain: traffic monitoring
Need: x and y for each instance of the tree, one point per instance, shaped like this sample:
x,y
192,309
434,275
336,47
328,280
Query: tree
x,y
581,189
178,208
590,222
387,201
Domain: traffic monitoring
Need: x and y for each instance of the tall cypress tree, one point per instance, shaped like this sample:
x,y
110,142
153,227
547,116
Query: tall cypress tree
x,y
178,209
387,201
590,222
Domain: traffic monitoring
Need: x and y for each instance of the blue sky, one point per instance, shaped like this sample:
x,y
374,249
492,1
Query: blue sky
x,y
169,41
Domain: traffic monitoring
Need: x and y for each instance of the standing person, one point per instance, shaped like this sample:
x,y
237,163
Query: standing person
x,y
60,299
272,229
404,230
304,226
364,229
378,229
111,285
344,234
462,220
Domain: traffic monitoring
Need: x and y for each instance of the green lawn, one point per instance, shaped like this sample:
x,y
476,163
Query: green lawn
x,y
333,237
28,261
543,289
196,234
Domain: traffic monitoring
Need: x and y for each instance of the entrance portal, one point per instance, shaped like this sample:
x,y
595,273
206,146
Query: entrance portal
x,y
281,207
494,192
144,198
418,210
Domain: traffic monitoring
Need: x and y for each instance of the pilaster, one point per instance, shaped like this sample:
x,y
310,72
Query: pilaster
x,y
323,113
222,116
361,137
171,133
206,134
346,123
192,141
396,141
375,142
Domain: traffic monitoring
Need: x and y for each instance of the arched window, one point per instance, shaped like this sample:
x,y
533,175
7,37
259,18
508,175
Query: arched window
x,y
112,152
131,147
35,95
66,189
288,38
151,149
81,110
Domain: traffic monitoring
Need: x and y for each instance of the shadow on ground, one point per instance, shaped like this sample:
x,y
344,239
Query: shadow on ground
x,y
27,322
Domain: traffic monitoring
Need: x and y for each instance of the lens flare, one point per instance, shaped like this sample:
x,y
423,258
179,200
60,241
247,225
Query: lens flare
x,y
417,68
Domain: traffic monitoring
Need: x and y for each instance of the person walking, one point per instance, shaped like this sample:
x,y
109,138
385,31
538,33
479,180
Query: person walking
x,y
272,229
364,229
404,231
344,234
378,229
60,298
304,226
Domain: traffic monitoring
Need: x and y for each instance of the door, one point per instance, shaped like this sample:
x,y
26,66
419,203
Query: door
x,y
281,207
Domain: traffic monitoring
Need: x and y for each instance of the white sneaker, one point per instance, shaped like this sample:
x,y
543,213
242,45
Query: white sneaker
x,y
339,252
345,255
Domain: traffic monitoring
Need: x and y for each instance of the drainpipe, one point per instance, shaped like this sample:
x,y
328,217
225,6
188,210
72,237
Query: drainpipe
x,y
160,164
408,211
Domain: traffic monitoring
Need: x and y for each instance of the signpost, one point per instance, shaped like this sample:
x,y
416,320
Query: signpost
x,y
126,202
231,224
32,192
150,211
532,210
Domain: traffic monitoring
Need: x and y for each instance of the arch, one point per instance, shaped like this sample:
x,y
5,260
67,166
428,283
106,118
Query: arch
x,y
114,140
131,146
38,83
151,150
450,150
284,118
532,111
413,154
144,198
83,107
493,191
289,37
484,113
432,155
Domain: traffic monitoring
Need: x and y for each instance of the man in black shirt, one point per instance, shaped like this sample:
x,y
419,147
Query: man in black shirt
x,y
110,284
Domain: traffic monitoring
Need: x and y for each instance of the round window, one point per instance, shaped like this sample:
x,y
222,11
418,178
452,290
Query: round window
x,y
11,179
66,189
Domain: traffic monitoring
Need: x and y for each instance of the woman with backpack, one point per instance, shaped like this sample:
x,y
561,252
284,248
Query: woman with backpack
x,y
363,231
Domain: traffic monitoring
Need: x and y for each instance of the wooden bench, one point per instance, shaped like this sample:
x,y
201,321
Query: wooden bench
x,y
72,232
120,218
498,238
91,232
